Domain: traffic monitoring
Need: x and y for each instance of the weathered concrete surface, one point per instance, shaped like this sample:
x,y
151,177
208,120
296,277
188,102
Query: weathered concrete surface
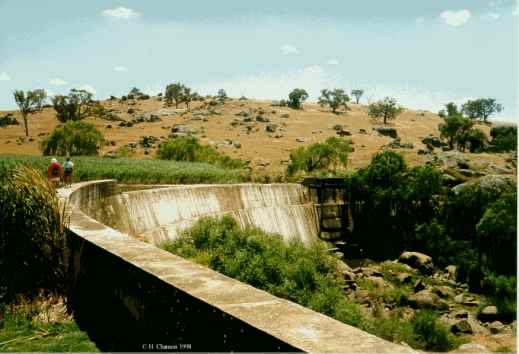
x,y
159,214
133,296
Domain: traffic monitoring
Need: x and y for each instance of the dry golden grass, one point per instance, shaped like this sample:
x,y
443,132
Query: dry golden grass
x,y
313,123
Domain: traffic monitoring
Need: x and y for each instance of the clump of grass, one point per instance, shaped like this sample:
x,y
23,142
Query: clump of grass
x,y
32,246
23,331
187,148
129,170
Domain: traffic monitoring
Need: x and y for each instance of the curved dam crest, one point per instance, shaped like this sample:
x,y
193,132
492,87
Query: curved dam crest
x,y
157,215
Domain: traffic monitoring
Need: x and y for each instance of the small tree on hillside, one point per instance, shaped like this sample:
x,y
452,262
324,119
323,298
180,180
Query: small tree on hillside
x,y
29,102
482,108
222,96
386,109
74,138
174,93
460,130
334,99
296,98
75,106
188,96
357,94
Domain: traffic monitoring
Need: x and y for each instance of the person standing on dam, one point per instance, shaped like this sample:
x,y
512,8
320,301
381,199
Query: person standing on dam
x,y
54,172
68,168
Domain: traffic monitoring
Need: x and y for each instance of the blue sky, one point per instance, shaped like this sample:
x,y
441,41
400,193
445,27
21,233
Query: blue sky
x,y
424,53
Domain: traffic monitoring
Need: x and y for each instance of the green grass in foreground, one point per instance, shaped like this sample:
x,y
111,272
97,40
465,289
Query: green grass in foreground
x,y
130,171
21,334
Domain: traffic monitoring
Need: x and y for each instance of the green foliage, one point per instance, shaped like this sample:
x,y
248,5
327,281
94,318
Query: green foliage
x,y
29,102
75,106
497,233
296,98
179,93
130,171
433,335
307,276
74,138
221,96
502,292
334,98
357,94
32,248
187,148
504,138
386,109
21,333
460,130
320,158
481,108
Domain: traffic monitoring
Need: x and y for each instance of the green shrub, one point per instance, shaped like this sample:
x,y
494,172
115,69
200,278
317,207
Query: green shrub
x,y
74,138
502,292
32,249
75,106
430,333
320,158
504,138
307,276
188,148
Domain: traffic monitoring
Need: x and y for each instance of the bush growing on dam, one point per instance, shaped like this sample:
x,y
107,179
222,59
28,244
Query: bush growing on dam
x,y
130,171
187,148
74,139
32,246
307,276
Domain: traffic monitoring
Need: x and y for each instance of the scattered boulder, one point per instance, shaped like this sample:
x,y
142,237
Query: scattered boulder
x,y
444,292
472,348
418,286
404,278
426,299
236,144
271,128
492,183
363,131
285,115
387,131
451,271
343,133
262,119
462,326
432,141
300,140
461,314
8,119
418,261
377,281
496,327
488,314
338,127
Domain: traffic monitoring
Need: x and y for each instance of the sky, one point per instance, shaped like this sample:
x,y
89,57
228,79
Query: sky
x,y
423,53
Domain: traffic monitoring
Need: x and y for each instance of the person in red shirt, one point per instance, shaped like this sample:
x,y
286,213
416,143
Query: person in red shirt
x,y
54,172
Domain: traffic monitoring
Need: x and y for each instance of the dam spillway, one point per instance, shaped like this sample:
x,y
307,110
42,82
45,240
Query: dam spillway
x,y
129,294
157,215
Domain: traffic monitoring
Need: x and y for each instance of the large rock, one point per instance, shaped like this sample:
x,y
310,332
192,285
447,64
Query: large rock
x,y
490,183
462,326
426,299
271,128
386,131
418,261
488,314
472,348
496,327
433,141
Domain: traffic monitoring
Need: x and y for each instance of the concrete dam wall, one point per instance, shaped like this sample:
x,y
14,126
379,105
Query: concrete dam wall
x,y
132,296
157,215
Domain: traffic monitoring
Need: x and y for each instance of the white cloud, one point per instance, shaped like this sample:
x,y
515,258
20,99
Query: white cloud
x,y
455,18
153,89
57,82
120,69
491,16
88,88
4,76
516,11
420,20
121,13
288,49
273,85
492,4
332,62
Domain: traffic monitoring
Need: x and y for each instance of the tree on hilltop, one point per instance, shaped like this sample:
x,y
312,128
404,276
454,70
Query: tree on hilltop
x,y
296,98
357,94
174,93
29,102
334,98
75,106
386,109
482,108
